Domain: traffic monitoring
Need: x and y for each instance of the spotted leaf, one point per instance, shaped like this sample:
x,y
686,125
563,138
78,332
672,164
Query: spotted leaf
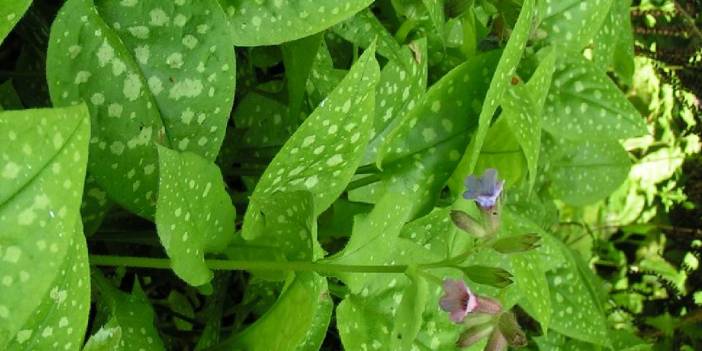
x,y
10,13
400,87
130,320
44,264
501,79
325,150
585,104
297,321
364,28
371,240
94,206
152,73
522,108
194,214
256,23
571,24
579,314
614,43
420,154
586,171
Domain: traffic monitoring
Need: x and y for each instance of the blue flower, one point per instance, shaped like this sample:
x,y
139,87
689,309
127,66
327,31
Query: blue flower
x,y
484,190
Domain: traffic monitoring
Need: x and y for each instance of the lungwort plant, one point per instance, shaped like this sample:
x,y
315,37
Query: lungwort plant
x,y
384,176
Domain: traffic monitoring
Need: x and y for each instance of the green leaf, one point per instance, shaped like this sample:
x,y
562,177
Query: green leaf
x,y
578,314
94,206
194,214
44,270
255,23
400,87
501,79
522,108
11,12
502,151
529,272
419,154
129,320
323,154
298,57
614,43
364,29
156,73
8,96
289,226
371,240
585,105
265,121
408,320
571,24
297,321
586,171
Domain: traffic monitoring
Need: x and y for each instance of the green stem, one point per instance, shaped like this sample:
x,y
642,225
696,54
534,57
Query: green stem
x,y
232,265
361,182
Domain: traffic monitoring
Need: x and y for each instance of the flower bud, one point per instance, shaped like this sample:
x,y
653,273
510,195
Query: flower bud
x,y
496,342
510,329
467,223
487,305
517,243
474,334
492,276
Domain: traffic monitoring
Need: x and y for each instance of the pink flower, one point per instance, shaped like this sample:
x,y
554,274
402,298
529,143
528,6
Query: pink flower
x,y
458,300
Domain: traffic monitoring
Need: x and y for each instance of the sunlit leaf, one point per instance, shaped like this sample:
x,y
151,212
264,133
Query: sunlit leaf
x,y
364,28
129,321
585,171
143,85
10,13
297,321
501,79
584,104
256,23
324,152
44,270
571,24
194,213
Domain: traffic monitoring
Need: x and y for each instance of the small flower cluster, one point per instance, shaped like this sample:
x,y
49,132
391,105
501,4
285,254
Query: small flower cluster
x,y
484,316
487,318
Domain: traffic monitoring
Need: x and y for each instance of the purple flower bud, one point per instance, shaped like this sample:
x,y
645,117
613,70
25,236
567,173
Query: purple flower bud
x,y
458,300
484,190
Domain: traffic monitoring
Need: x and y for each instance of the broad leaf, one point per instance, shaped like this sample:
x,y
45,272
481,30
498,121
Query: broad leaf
x,y
265,122
371,240
324,152
129,320
522,108
194,214
614,43
585,171
578,314
165,88
501,79
584,104
298,57
94,206
502,151
364,29
11,12
571,24
44,270
297,321
400,87
256,23
409,314
8,97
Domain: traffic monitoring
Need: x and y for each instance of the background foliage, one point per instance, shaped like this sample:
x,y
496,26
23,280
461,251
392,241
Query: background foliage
x,y
299,134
